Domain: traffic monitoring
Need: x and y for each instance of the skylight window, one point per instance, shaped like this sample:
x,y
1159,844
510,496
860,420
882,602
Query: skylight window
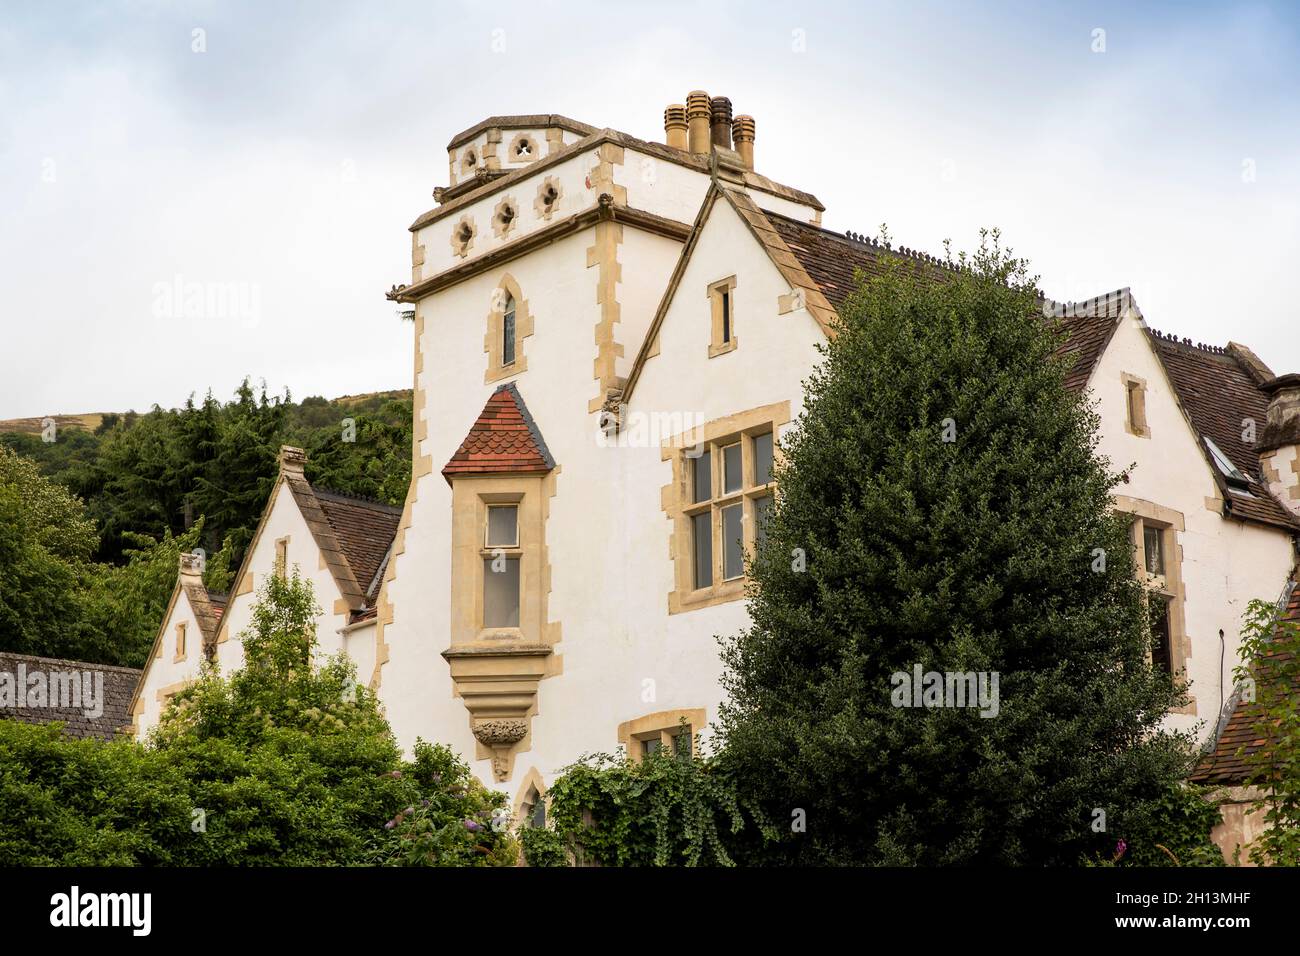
x,y
1230,471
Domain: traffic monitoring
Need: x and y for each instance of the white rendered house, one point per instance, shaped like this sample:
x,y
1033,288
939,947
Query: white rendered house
x,y
610,336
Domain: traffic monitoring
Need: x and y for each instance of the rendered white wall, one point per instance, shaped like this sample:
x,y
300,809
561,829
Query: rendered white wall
x,y
1226,563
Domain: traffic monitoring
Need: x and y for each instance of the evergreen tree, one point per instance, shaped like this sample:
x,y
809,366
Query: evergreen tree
x,y
942,506
45,545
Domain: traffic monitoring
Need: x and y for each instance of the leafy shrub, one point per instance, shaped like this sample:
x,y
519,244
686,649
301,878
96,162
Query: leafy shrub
x,y
666,810
543,846
280,763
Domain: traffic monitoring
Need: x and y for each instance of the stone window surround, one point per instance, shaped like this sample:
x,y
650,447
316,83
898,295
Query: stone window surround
x,y
544,212
182,645
493,345
1135,405
663,725
532,781
281,568
512,154
1171,524
496,671
715,293
500,228
679,507
461,247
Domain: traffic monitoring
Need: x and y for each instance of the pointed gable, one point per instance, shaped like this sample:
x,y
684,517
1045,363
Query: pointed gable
x,y
503,440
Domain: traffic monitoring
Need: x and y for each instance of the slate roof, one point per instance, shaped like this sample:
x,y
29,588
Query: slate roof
x,y
1218,390
1217,387
831,260
365,529
504,439
119,685
1242,736
208,606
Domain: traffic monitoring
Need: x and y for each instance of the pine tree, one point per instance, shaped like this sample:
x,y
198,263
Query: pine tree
x,y
941,506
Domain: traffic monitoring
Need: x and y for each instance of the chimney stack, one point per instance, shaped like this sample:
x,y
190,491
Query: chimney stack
x,y
720,109
742,130
675,126
292,460
698,113
1279,442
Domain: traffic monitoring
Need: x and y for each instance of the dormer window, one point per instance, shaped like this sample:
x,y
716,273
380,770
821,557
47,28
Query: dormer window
x,y
1231,474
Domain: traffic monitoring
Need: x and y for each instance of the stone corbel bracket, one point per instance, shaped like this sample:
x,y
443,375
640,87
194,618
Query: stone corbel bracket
x,y
498,683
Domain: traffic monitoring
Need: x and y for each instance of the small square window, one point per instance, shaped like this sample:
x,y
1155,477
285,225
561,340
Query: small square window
x,y
503,526
762,459
651,746
732,479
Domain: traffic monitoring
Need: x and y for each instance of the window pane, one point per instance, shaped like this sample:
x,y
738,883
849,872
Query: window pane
x,y
731,476
762,510
1160,651
726,316
501,592
703,489
1153,542
732,549
702,529
503,526
762,459
651,746
508,334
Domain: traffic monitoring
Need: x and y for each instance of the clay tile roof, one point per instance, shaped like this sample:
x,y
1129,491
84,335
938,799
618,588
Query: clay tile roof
x,y
118,688
1241,736
365,530
503,440
1218,392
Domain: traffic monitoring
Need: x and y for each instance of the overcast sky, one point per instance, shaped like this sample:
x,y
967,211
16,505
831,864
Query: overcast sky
x,y
285,159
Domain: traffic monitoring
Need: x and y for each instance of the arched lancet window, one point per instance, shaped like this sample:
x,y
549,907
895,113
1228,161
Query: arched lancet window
x,y
508,332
